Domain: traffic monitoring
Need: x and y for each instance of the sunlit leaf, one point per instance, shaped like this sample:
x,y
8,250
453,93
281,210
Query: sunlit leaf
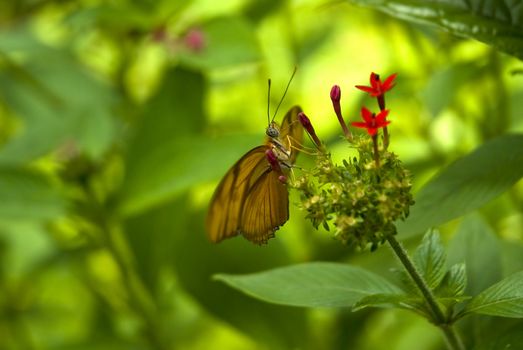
x,y
496,23
168,169
57,100
443,86
27,195
29,246
227,41
317,284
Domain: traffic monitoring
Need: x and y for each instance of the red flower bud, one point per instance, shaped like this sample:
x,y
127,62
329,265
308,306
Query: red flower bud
x,y
335,98
307,125
335,94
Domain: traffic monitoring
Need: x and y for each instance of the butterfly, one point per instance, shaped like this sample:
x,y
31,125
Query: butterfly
x,y
252,198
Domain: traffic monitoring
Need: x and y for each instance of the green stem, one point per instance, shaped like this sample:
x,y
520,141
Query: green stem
x,y
376,152
453,340
385,138
139,298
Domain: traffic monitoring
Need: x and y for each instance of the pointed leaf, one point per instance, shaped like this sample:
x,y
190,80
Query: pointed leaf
x,y
382,300
452,289
467,184
319,284
454,283
430,258
504,298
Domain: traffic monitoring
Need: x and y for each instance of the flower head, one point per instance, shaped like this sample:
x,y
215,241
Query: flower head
x,y
377,87
372,122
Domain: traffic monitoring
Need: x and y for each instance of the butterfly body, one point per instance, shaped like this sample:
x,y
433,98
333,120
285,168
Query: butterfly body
x,y
251,199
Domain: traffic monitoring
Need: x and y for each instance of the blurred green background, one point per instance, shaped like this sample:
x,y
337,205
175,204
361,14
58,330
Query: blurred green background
x,y
118,118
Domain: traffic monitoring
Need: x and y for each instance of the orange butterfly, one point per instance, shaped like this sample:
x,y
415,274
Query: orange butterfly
x,y
252,199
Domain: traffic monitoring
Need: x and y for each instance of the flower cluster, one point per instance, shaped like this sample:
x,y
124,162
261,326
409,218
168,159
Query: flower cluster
x,y
363,197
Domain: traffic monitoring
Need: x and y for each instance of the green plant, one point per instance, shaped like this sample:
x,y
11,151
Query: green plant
x,y
362,200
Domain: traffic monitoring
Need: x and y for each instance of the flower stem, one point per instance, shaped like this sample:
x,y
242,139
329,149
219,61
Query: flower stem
x,y
453,340
381,104
385,138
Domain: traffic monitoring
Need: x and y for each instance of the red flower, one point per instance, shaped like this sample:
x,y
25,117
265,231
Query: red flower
x,y
378,88
372,122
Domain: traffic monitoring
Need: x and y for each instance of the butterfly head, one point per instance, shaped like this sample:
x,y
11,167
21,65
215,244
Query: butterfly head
x,y
272,131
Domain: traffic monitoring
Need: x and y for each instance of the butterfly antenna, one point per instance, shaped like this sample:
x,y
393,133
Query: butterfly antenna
x,y
269,102
285,92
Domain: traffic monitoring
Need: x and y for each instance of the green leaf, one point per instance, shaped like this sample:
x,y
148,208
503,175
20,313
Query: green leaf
x,y
430,258
504,298
385,300
452,289
229,41
496,23
259,10
164,147
174,166
467,184
29,246
454,282
511,252
477,246
28,196
443,86
170,238
511,338
319,284
56,99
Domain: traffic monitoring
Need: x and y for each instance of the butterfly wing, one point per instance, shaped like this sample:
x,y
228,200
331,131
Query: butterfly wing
x,y
266,208
291,132
250,199
227,204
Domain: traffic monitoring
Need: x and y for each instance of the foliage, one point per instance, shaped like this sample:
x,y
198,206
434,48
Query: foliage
x,y
118,118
